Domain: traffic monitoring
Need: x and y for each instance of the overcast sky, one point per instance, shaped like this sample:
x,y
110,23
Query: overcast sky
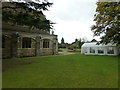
x,y
73,18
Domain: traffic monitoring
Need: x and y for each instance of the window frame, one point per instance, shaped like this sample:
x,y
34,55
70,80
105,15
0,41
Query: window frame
x,y
46,43
110,49
92,48
100,50
26,42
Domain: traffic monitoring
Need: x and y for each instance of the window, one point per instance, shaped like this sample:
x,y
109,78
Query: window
x,y
85,50
100,50
26,43
110,50
92,50
45,43
3,42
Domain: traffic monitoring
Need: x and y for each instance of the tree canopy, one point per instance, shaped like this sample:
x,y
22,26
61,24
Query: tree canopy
x,y
107,20
27,13
62,41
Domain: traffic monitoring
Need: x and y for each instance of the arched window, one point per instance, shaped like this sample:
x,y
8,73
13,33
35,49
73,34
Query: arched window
x,y
46,43
26,42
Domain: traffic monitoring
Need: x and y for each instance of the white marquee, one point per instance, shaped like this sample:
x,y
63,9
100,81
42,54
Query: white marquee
x,y
101,49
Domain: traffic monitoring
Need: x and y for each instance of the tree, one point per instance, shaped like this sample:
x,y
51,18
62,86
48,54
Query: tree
x,y
76,40
82,41
76,43
107,20
72,47
27,13
62,41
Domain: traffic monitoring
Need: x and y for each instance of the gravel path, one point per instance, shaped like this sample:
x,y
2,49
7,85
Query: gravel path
x,y
65,53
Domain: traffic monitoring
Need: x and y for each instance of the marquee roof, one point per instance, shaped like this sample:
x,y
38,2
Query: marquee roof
x,y
94,44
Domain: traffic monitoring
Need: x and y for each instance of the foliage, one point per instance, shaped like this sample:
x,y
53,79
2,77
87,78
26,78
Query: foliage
x,y
81,42
64,71
72,46
76,40
107,20
65,45
78,43
63,50
28,13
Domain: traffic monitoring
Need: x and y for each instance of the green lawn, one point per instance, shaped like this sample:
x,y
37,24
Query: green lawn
x,y
64,71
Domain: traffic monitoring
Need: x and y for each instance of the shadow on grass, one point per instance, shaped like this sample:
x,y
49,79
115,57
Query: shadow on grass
x,y
13,63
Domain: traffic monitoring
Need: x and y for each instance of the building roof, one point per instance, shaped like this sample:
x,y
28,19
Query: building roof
x,y
93,40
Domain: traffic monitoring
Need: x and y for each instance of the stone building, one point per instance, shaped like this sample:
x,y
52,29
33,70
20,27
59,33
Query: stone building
x,y
17,41
21,40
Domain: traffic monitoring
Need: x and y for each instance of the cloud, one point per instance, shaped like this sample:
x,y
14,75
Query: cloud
x,y
72,30
73,17
75,11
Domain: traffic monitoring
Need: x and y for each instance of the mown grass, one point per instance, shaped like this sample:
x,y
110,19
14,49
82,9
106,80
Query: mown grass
x,y
65,71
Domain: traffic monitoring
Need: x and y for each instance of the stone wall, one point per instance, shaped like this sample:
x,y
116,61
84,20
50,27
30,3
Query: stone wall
x,y
6,51
13,44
